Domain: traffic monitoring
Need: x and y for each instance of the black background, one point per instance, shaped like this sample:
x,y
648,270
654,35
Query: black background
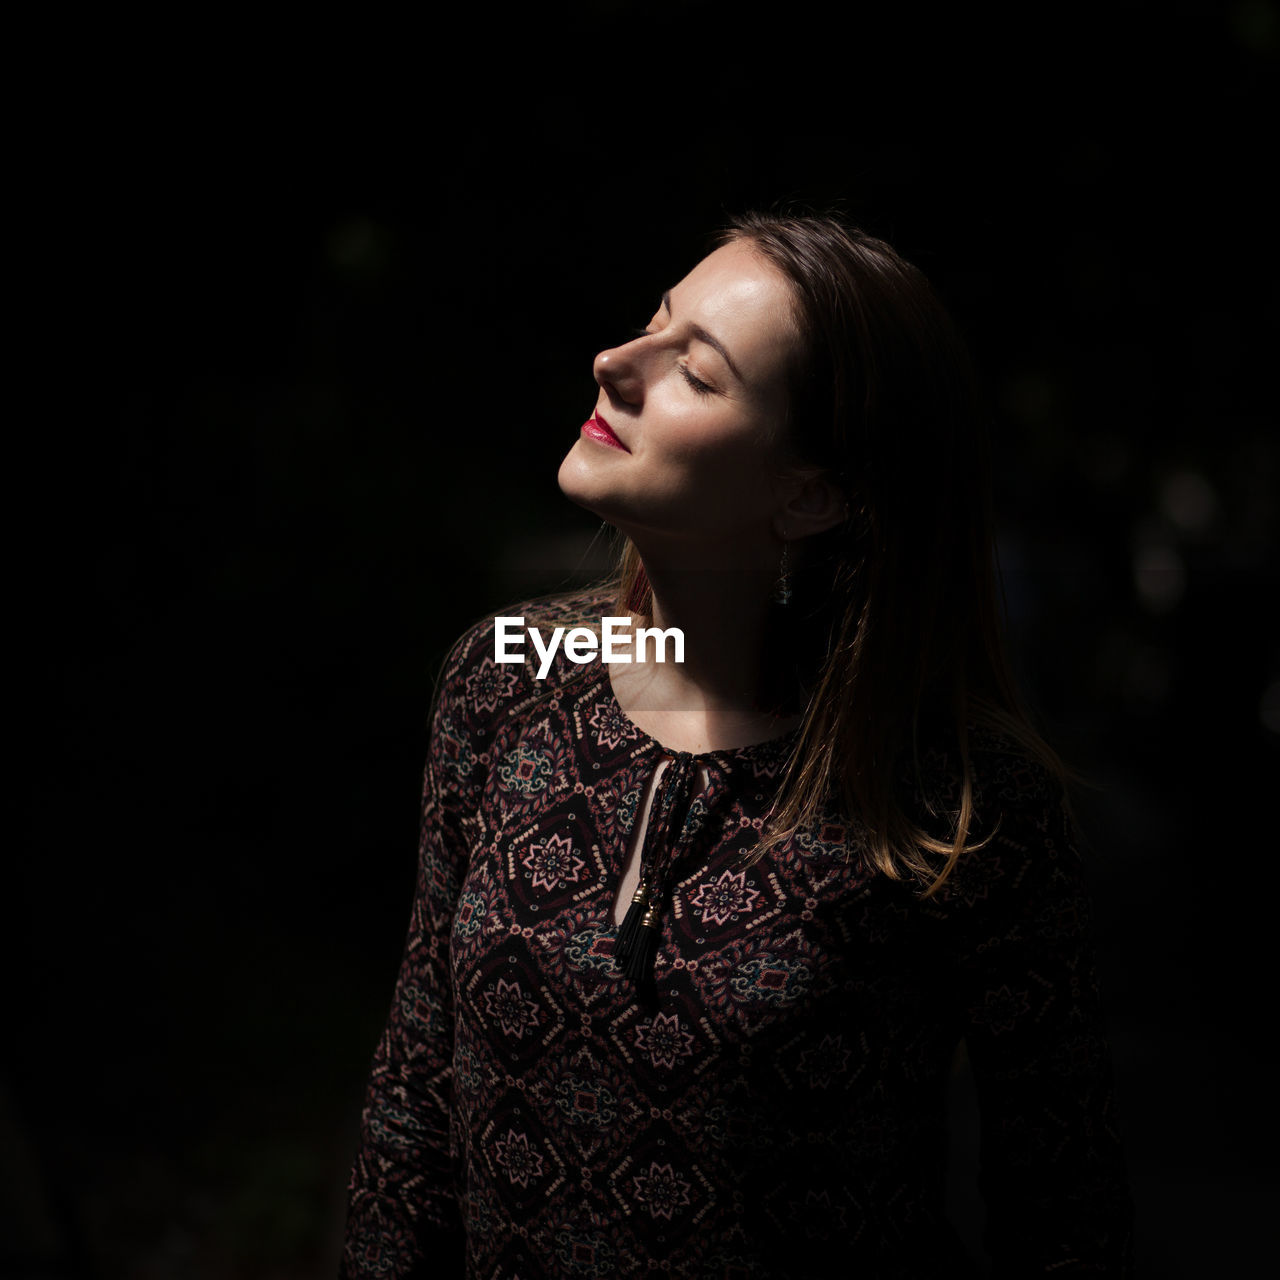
x,y
308,314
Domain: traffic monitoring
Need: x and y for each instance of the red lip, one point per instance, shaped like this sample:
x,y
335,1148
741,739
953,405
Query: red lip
x,y
597,429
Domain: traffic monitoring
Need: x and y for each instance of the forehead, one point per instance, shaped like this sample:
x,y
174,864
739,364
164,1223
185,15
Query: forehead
x,y
746,302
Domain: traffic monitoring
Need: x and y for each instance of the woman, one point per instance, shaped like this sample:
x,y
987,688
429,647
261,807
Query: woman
x,y
694,942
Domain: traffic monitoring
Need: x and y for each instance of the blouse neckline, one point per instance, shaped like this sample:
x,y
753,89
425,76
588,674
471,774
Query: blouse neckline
x,y
721,754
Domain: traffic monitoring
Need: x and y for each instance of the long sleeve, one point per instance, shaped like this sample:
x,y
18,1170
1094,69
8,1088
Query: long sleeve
x,y
403,1216
1052,1170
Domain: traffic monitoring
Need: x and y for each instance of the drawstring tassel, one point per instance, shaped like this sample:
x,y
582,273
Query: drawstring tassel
x,y
638,963
641,929
631,923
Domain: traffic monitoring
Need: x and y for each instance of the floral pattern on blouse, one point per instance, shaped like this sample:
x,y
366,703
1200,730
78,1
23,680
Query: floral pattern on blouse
x,y
777,1108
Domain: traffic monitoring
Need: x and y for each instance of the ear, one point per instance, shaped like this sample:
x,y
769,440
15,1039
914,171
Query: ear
x,y
809,502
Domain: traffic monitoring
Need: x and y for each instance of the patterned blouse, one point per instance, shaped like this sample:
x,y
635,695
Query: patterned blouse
x,y
769,1098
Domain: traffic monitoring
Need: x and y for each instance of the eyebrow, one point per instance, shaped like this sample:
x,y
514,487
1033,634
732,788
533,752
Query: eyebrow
x,y
703,336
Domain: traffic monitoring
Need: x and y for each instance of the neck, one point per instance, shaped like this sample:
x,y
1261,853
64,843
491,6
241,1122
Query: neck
x,y
720,603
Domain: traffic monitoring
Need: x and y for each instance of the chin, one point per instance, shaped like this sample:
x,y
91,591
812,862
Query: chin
x,y
579,481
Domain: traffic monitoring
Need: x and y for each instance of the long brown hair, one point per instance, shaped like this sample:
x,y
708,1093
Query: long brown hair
x,y
893,634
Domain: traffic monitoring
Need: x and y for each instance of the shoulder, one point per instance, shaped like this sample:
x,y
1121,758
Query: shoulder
x,y
583,608
474,685
1007,775
1022,829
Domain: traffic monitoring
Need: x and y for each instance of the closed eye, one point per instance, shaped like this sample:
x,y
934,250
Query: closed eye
x,y
702,388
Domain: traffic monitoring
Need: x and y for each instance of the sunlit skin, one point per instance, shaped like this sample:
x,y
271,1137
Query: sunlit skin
x,y
706,490
702,439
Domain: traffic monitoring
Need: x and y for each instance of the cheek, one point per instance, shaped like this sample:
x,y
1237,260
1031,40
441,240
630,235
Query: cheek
x,y
708,433
730,453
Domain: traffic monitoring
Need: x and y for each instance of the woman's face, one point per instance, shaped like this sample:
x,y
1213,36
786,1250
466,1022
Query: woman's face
x,y
686,436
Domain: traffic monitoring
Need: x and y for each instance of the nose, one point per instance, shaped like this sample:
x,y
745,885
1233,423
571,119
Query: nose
x,y
620,372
